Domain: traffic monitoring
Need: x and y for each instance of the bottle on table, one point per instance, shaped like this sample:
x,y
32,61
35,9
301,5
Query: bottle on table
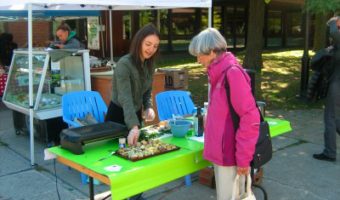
x,y
198,122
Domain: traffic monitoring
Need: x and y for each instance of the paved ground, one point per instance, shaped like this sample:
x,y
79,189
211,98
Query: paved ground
x,y
292,174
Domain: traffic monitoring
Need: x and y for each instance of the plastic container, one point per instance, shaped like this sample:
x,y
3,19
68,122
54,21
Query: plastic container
x,y
122,142
180,128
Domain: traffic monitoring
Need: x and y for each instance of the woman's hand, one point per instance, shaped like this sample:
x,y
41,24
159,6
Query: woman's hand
x,y
133,136
149,114
243,170
60,46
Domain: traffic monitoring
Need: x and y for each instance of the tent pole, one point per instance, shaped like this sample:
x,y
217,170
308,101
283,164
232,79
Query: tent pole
x,y
101,37
209,25
30,78
111,44
210,17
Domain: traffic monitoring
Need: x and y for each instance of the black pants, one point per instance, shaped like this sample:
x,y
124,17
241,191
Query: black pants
x,y
116,114
332,117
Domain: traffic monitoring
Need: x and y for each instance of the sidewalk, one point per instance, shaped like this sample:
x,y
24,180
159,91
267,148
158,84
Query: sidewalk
x,y
292,174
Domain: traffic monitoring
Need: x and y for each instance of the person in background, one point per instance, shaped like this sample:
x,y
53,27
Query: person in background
x,y
132,84
66,38
231,151
7,47
332,103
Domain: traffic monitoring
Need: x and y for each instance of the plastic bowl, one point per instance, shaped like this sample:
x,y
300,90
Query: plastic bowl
x,y
179,128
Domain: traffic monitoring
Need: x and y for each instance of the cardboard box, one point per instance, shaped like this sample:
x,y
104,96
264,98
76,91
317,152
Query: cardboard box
x,y
175,78
207,177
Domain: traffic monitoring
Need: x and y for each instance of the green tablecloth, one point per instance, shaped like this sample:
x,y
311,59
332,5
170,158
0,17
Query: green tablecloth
x,y
136,177
278,126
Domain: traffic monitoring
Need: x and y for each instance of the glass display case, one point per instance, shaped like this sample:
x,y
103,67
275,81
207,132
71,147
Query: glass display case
x,y
55,73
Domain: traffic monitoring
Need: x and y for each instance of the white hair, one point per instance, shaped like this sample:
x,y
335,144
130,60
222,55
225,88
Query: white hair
x,y
206,41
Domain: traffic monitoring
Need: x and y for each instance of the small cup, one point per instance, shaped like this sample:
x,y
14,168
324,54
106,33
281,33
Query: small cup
x,y
122,142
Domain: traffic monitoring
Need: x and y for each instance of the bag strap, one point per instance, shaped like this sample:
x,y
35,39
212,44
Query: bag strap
x,y
234,116
236,187
248,185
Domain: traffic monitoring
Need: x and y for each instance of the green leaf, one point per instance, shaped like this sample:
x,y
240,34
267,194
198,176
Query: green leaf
x,y
322,6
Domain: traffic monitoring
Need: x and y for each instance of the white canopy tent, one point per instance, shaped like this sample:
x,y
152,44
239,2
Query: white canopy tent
x,y
31,5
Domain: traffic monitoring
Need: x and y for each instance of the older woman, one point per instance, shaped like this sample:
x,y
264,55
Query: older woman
x,y
231,151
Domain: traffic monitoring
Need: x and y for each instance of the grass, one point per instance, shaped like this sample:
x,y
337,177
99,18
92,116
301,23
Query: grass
x,y
279,79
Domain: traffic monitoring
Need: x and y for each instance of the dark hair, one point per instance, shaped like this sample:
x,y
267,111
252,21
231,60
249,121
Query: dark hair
x,y
8,37
136,45
64,27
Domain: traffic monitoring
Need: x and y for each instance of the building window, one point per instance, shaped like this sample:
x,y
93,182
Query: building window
x,y
163,17
127,26
294,29
240,26
204,19
235,25
146,16
217,18
183,21
274,31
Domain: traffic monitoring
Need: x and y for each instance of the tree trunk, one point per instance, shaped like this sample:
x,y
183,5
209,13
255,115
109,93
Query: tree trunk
x,y
253,57
320,34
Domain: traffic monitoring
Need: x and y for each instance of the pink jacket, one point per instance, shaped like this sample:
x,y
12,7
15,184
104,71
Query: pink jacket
x,y
220,144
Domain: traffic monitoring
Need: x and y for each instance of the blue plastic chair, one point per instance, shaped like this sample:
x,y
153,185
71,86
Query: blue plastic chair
x,y
174,102
79,104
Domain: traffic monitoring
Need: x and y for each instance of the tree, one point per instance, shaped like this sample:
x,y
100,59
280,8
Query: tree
x,y
320,30
322,9
253,56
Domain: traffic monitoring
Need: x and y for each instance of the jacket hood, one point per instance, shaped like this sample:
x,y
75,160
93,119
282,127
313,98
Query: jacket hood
x,y
220,64
72,34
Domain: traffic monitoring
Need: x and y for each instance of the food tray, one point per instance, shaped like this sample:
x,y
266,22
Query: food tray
x,y
120,152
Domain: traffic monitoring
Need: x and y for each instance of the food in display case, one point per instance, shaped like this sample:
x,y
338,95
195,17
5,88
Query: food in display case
x,y
54,73
17,89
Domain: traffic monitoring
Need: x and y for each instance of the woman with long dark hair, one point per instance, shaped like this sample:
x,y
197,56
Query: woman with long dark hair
x,y
132,83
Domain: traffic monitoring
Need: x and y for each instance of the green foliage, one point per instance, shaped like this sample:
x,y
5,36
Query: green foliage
x,y
323,6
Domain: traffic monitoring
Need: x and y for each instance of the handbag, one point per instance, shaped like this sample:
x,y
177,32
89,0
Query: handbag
x,y
263,148
246,193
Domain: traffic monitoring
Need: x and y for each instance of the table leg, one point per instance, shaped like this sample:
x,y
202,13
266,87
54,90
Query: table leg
x,y
91,188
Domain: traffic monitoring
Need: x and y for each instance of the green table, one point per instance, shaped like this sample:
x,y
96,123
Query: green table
x,y
278,126
137,177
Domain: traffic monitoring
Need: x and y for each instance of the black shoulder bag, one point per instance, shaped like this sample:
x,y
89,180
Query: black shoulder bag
x,y
263,148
